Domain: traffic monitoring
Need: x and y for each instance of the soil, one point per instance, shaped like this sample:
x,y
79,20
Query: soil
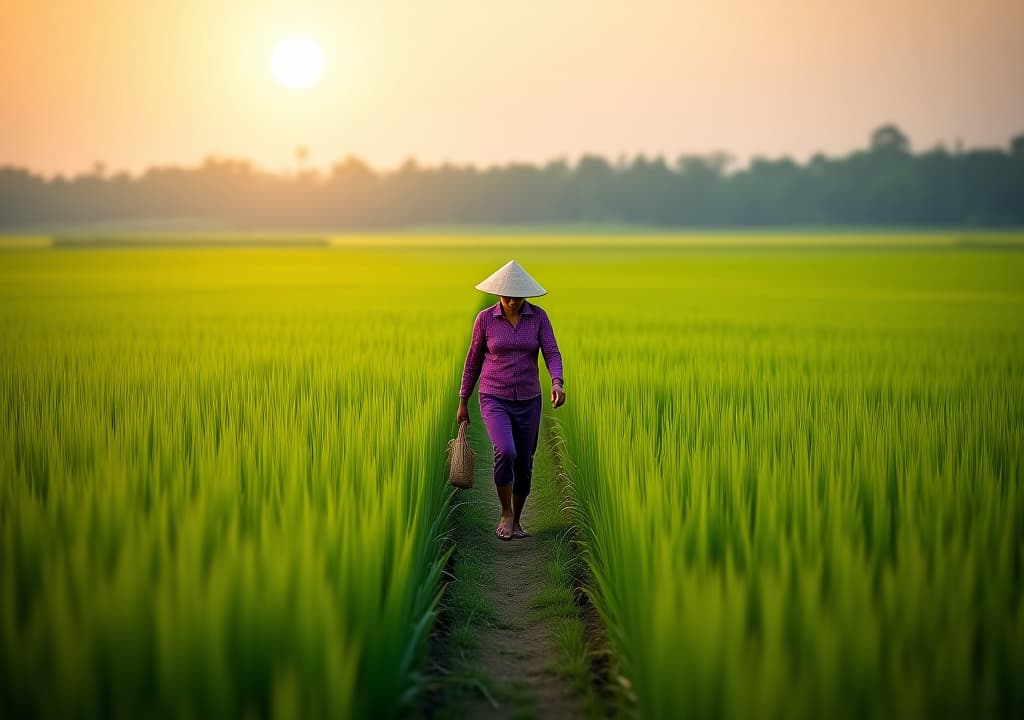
x,y
518,651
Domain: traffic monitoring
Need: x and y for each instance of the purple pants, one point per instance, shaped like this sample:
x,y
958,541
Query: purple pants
x,y
513,426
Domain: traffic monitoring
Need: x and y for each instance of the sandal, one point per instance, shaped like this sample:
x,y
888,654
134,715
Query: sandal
x,y
497,531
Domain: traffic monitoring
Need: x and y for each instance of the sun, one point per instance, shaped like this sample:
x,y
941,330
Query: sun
x,y
297,62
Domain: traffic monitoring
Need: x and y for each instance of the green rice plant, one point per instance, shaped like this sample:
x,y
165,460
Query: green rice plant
x,y
800,476
797,470
223,479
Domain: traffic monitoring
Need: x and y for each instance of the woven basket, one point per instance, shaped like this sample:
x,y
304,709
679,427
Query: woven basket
x,y
460,459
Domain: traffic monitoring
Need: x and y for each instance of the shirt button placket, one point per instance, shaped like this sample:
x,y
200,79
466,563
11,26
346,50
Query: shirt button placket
x,y
515,366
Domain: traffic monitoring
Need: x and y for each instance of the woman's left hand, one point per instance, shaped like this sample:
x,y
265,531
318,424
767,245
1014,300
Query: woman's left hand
x,y
557,396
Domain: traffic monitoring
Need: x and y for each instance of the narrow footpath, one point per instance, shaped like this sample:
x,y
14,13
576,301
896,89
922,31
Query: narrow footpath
x,y
514,642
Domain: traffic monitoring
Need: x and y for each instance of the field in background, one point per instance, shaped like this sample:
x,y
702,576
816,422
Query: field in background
x,y
797,467
551,237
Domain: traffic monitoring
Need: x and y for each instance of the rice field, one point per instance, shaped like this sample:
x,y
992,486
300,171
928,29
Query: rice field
x,y
801,478
220,474
796,464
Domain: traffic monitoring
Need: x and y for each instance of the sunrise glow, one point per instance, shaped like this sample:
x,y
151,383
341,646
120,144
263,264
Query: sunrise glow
x,y
297,62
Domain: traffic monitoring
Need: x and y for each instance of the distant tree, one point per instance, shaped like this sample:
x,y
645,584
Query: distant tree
x,y
699,181
1017,146
883,184
594,166
301,155
352,171
593,197
889,138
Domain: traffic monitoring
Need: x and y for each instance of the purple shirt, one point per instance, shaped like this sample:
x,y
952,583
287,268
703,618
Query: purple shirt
x,y
504,357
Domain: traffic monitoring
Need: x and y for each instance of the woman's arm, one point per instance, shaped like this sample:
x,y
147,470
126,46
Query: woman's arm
x,y
549,348
474,359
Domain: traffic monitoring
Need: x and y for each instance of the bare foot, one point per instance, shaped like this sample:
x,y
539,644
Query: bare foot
x,y
504,529
518,532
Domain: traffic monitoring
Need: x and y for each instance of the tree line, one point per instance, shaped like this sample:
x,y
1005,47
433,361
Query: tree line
x,y
884,184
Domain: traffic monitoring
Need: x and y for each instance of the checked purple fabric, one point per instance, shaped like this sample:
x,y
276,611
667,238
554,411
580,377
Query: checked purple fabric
x,y
504,358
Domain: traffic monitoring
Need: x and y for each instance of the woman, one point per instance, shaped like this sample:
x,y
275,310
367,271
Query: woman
x,y
503,355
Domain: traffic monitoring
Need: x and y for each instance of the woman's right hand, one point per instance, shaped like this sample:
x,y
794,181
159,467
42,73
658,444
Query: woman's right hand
x,y
463,414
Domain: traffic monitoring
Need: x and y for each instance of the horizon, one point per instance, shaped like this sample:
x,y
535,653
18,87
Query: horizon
x,y
621,162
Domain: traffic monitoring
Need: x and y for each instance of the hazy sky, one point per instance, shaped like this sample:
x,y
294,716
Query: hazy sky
x,y
169,81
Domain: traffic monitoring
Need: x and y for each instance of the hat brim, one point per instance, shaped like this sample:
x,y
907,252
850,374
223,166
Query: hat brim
x,y
513,292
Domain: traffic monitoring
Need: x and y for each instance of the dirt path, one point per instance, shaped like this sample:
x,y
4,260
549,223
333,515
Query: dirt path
x,y
516,599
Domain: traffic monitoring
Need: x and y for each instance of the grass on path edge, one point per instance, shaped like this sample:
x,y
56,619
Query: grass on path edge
x,y
457,679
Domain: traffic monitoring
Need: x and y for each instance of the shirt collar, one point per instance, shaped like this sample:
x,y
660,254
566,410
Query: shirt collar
x,y
527,309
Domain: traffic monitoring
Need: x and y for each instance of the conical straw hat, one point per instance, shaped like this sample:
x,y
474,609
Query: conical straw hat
x,y
511,280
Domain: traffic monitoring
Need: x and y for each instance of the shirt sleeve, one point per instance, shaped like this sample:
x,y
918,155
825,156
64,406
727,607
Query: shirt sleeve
x,y
474,358
549,348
